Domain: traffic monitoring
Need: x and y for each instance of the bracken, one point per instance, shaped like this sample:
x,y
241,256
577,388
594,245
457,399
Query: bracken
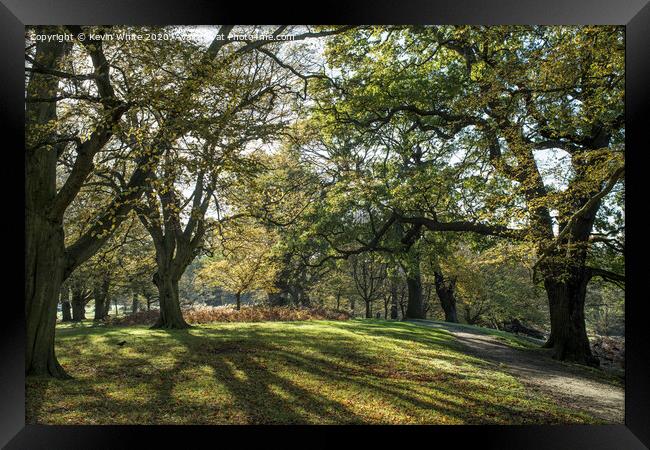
x,y
207,314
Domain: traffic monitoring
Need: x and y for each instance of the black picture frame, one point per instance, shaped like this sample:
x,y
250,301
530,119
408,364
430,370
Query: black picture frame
x,y
634,14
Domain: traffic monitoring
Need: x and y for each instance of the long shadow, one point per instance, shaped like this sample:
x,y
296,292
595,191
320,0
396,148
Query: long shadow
x,y
251,365
261,378
256,394
453,408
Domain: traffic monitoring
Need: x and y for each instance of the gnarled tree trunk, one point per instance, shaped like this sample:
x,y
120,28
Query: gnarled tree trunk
x,y
171,316
47,261
445,290
566,276
176,246
415,299
100,307
566,298
41,298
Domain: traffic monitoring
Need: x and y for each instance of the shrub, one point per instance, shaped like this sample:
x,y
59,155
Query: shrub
x,y
208,314
138,318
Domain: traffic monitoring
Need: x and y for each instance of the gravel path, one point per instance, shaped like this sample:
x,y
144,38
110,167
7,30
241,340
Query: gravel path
x,y
569,385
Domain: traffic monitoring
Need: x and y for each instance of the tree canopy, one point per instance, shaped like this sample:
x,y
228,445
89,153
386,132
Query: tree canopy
x,y
474,173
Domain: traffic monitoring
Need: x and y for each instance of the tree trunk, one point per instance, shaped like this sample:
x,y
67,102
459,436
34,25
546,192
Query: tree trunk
x,y
42,296
65,305
171,316
304,299
566,298
393,301
415,300
66,311
238,300
78,311
134,303
565,280
414,307
44,239
445,290
78,304
107,305
100,308
368,309
102,302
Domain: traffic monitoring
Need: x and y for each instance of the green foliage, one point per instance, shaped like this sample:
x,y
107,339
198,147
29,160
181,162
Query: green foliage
x,y
309,170
605,309
245,262
495,285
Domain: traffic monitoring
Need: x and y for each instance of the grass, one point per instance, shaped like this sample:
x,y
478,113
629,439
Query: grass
x,y
510,339
320,372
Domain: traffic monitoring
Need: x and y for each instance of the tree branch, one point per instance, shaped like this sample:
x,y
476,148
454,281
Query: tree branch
x,y
606,275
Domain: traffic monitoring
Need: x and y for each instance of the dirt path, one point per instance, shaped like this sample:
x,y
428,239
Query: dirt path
x,y
568,385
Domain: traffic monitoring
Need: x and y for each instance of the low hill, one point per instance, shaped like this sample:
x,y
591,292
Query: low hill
x,y
320,372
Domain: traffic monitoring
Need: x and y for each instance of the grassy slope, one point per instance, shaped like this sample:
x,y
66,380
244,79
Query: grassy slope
x,y
512,340
369,371
613,377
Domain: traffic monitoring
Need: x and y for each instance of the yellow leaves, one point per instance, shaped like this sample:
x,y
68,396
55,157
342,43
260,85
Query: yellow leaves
x,y
478,71
246,262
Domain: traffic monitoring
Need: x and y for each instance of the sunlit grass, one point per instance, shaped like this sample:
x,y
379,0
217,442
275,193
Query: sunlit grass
x,y
509,339
360,371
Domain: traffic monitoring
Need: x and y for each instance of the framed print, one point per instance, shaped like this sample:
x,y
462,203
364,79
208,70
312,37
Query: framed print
x,y
369,214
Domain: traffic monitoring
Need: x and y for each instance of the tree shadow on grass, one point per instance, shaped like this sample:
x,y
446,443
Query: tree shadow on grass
x,y
259,393
255,393
261,375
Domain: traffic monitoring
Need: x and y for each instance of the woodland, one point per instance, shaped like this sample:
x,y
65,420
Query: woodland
x,y
368,175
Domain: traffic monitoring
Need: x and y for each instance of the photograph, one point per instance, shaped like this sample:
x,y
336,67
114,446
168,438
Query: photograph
x,y
312,224
393,222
